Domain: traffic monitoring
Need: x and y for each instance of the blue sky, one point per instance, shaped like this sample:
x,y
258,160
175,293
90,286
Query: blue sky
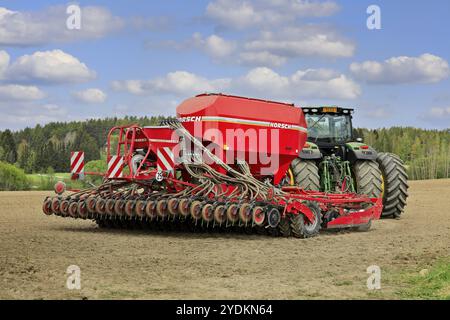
x,y
144,57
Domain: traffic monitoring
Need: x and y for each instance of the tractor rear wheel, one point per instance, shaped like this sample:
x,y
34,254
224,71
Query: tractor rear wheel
x,y
306,174
368,178
395,184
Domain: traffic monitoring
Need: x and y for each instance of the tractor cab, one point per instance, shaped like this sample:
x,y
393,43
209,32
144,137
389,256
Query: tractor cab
x,y
332,152
330,132
329,126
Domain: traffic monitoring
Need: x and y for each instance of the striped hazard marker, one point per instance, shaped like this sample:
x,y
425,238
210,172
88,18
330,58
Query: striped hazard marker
x,y
115,167
77,163
166,160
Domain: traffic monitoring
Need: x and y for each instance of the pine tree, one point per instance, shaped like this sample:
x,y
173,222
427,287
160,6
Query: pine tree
x,y
9,147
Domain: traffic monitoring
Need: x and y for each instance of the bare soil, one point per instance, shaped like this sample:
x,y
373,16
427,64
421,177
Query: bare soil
x,y
35,251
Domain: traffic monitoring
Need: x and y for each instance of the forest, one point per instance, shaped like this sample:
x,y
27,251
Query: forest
x,y
47,148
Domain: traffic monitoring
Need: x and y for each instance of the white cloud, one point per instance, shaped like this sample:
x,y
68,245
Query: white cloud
x,y
319,75
217,47
426,68
269,48
262,82
214,46
311,83
130,86
21,93
49,25
265,80
302,41
92,96
49,67
269,32
261,58
240,14
233,14
30,113
178,83
4,62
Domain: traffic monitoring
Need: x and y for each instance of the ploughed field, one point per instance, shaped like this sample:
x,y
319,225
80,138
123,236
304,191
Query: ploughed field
x,y
35,251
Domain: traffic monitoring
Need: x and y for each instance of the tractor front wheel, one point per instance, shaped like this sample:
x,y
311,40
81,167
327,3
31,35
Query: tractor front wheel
x,y
395,184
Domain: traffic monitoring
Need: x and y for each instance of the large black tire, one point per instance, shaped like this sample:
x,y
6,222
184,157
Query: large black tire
x,y
299,229
368,178
306,174
284,227
396,186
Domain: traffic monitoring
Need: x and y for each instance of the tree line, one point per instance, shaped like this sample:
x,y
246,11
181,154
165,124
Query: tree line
x,y
43,148
426,153
38,149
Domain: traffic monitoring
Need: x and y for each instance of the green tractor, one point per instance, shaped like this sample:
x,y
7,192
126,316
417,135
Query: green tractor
x,y
334,160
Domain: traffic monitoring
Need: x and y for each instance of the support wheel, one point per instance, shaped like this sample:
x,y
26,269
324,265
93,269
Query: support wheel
x,y
300,228
284,227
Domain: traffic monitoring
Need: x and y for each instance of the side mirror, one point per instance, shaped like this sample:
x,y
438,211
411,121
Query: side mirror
x,y
359,139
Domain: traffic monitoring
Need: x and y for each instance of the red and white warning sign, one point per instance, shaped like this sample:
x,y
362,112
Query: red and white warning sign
x,y
115,167
77,162
166,160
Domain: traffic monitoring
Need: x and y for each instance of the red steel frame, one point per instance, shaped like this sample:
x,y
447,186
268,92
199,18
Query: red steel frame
x,y
131,138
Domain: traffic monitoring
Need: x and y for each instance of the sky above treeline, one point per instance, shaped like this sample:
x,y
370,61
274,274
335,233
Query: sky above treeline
x,y
117,58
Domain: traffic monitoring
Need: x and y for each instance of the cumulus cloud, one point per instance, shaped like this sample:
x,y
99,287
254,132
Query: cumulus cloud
x,y
92,96
261,58
240,14
4,62
261,81
30,113
311,83
302,41
214,46
49,25
269,48
49,67
426,68
20,93
178,83
282,37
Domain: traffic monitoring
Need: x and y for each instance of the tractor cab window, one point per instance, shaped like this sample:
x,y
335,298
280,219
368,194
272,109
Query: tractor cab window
x,y
329,127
